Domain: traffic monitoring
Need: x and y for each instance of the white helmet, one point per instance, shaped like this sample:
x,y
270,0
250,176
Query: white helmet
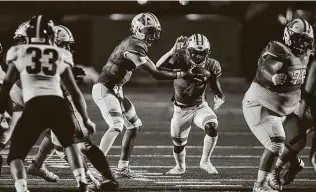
x,y
197,49
299,36
145,26
20,33
63,37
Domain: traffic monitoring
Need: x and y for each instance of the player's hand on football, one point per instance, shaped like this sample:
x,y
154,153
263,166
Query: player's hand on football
x,y
178,44
189,75
218,102
279,78
90,126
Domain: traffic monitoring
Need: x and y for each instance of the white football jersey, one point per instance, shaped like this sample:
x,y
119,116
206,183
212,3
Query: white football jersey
x,y
2,75
40,67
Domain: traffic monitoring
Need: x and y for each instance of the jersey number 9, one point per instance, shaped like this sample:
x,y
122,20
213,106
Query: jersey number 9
x,y
36,66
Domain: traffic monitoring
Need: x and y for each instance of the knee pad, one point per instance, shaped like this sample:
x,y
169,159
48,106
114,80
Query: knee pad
x,y
211,129
179,141
118,124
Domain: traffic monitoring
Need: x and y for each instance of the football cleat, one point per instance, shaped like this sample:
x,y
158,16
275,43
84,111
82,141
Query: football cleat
x,y
42,172
257,187
177,170
292,171
208,167
125,172
96,174
274,180
109,184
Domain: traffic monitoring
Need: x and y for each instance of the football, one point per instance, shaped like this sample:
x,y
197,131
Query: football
x,y
200,70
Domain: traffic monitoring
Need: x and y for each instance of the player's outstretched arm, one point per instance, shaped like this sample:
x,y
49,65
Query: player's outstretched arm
x,y
270,68
150,68
10,78
77,97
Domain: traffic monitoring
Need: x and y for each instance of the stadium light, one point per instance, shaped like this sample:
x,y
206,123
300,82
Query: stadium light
x,y
183,2
142,2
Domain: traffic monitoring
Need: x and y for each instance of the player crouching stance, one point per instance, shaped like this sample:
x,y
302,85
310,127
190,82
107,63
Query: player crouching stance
x,y
116,109
40,66
190,107
275,92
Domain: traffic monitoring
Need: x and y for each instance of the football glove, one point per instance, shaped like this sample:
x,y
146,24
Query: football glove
x,y
78,73
90,126
218,102
179,43
279,79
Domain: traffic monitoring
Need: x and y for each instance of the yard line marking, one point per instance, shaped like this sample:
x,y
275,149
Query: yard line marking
x,y
171,147
209,186
192,182
164,176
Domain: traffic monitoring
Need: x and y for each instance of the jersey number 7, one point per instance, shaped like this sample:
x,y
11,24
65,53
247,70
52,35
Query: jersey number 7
x,y
36,66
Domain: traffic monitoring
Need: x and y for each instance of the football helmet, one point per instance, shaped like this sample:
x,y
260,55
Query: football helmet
x,y
198,49
146,27
40,31
63,37
20,33
299,36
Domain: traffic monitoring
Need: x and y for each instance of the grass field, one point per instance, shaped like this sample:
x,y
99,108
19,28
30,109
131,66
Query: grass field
x,y
236,156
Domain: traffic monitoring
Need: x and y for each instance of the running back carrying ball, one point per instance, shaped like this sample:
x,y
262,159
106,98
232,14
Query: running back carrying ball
x,y
200,70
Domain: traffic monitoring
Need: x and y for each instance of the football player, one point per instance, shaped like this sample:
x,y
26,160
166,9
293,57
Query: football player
x,y
297,126
116,109
189,99
275,92
64,39
40,66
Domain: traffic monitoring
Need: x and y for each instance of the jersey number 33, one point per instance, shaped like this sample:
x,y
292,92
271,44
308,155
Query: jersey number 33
x,y
48,67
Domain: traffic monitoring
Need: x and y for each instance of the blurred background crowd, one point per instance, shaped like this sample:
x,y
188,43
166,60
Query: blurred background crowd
x,y
238,31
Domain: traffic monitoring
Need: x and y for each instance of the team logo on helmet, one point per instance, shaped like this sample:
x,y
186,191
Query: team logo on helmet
x,y
146,26
63,37
197,50
299,36
20,33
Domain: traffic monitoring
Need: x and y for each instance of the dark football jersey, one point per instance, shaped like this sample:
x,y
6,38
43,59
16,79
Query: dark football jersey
x,y
118,69
281,99
294,67
190,93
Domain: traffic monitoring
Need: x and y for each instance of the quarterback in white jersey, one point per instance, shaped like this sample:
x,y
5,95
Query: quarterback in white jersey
x,y
40,66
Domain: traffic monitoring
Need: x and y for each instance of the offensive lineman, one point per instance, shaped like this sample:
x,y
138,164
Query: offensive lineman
x,y
116,109
275,93
40,66
190,107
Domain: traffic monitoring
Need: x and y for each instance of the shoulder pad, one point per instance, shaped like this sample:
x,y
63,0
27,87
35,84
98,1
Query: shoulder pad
x,y
12,54
214,67
66,57
277,49
137,47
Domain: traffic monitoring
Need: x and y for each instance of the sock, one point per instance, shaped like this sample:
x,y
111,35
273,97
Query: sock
x,y
279,164
208,147
108,140
180,158
46,148
99,161
262,177
80,175
122,164
20,185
